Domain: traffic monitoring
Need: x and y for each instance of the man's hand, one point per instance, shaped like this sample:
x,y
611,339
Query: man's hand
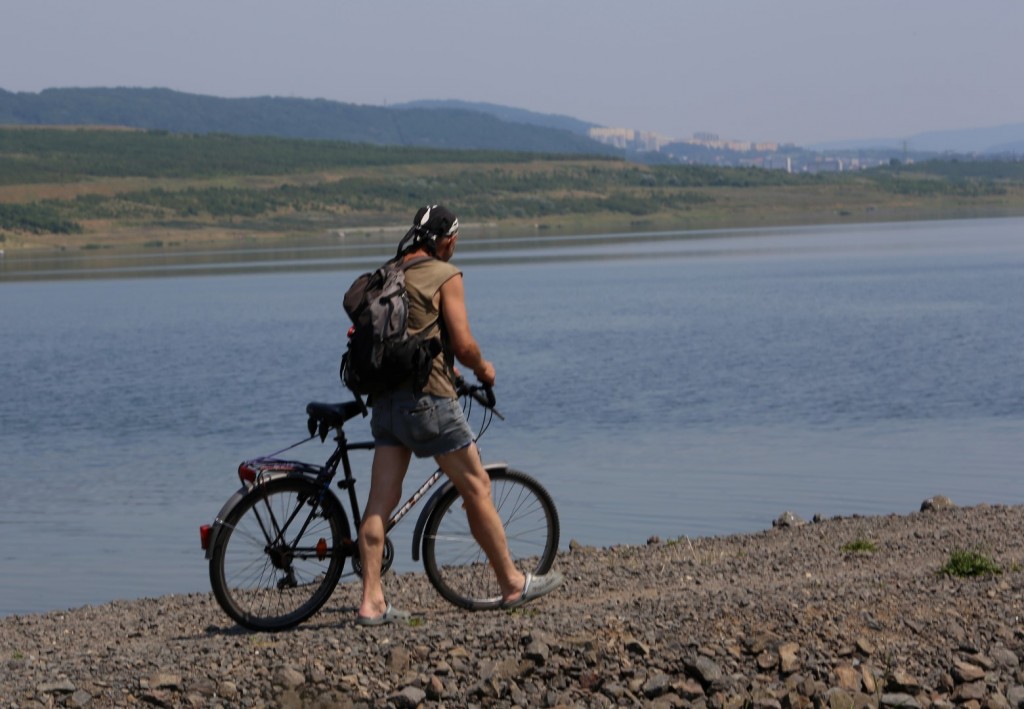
x,y
485,373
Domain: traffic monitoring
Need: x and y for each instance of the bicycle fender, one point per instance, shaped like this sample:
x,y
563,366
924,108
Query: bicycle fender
x,y
232,502
417,534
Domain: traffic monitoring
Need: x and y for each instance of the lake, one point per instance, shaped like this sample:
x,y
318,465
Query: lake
x,y
662,384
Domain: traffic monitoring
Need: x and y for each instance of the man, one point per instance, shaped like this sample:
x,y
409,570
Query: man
x,y
431,423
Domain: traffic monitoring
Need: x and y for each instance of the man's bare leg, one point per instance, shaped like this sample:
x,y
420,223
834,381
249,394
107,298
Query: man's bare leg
x,y
470,478
390,464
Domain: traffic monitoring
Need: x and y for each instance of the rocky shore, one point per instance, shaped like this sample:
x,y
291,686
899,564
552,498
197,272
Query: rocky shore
x,y
845,612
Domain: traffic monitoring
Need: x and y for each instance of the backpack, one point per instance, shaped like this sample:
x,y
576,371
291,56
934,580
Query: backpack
x,y
381,355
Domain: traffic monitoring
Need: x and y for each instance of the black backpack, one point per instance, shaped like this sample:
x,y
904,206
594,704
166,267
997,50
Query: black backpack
x,y
381,355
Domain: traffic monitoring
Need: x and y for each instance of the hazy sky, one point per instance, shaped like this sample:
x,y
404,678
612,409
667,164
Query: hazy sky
x,y
798,71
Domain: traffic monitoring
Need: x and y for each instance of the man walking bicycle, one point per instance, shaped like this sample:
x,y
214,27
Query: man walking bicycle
x,y
430,423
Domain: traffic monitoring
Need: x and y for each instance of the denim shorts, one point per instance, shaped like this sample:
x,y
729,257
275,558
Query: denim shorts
x,y
427,425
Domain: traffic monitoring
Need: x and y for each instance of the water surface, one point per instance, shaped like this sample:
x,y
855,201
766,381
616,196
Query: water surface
x,y
658,384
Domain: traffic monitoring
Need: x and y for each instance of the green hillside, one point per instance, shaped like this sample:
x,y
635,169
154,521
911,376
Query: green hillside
x,y
77,188
163,109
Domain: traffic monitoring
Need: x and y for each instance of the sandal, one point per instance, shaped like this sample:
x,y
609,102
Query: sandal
x,y
535,587
390,615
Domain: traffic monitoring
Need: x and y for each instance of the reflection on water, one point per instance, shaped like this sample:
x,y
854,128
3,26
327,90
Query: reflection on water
x,y
332,253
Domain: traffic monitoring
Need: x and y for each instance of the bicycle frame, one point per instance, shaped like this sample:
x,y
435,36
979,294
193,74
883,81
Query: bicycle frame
x,y
259,471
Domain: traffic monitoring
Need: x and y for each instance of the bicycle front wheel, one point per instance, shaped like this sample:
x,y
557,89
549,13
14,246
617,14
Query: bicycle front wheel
x,y
455,563
279,554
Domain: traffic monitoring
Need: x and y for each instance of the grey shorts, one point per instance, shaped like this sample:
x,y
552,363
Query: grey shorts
x,y
427,425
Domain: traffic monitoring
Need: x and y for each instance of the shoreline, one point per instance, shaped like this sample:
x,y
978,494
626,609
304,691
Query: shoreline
x,y
793,616
163,240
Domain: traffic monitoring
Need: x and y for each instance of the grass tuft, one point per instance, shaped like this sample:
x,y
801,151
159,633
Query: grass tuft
x,y
964,563
860,545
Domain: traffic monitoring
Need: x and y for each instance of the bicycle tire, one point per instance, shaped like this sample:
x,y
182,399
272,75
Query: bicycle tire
x,y
270,586
457,566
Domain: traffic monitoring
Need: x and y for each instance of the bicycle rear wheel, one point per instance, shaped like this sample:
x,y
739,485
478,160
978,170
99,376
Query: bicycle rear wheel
x,y
455,563
279,554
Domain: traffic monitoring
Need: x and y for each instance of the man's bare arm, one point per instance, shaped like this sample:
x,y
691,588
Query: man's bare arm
x,y
456,320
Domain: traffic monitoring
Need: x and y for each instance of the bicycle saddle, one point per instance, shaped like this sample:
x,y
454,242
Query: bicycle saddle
x,y
332,415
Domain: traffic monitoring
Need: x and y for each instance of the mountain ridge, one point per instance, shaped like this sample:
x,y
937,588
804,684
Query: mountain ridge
x,y
179,112
1005,138
447,123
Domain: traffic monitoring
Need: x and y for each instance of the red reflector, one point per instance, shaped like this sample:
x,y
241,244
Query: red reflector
x,y
246,474
321,549
204,536
351,331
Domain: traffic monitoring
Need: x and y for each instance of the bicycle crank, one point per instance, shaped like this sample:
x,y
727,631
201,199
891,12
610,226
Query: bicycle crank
x,y
386,560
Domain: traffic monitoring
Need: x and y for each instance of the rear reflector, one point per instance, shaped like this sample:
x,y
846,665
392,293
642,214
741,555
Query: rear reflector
x,y
204,536
246,474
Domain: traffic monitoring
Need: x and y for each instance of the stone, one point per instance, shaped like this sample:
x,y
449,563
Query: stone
x,y
1015,696
838,698
848,678
760,642
637,648
399,659
408,698
966,672
165,680
766,660
289,677
537,652
690,689
865,646
435,688
1004,657
970,690
902,681
788,660
60,686
938,502
706,669
996,701
79,698
788,519
899,699
868,678
656,685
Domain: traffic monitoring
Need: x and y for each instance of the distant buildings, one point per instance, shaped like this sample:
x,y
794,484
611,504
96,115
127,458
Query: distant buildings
x,y
706,148
629,139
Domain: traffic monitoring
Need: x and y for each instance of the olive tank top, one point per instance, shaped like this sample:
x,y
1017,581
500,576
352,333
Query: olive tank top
x,y
423,282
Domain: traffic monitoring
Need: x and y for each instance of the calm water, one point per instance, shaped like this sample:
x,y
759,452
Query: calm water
x,y
656,384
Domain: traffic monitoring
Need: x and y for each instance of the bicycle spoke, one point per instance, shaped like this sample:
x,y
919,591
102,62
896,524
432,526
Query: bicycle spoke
x,y
454,561
267,575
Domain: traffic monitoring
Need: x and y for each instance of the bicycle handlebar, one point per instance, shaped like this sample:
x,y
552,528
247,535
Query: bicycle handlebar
x,y
483,394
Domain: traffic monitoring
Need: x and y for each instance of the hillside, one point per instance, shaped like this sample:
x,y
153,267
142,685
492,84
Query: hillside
x,y
163,109
91,188
507,113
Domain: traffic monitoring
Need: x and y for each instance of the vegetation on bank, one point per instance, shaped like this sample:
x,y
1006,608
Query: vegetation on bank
x,y
88,181
966,563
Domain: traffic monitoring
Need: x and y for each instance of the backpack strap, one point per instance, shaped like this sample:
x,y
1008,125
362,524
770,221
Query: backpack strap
x,y
405,265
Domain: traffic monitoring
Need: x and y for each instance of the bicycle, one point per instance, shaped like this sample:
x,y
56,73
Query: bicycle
x,y
277,548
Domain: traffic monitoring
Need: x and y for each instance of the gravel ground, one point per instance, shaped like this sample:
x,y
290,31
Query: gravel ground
x,y
788,617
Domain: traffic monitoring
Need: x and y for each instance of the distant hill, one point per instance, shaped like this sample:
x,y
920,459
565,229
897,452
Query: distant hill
x,y
509,114
984,141
176,112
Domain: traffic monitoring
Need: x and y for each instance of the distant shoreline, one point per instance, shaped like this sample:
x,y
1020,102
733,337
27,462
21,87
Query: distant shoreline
x,y
168,241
